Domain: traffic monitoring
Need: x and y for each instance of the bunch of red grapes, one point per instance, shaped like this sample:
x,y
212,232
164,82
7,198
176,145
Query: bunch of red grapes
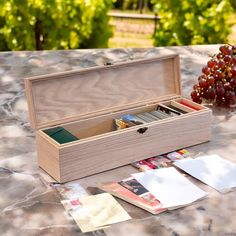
x,y
217,84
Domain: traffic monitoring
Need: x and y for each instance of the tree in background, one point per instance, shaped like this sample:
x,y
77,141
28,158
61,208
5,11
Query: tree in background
x,y
186,22
54,24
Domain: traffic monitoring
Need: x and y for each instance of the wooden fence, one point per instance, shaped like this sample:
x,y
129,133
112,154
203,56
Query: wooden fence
x,y
132,30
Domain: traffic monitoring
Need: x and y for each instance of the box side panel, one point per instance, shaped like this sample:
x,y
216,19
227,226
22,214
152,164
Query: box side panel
x,y
48,156
94,156
30,103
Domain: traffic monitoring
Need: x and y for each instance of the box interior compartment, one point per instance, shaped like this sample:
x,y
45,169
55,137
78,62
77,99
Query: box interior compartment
x,y
184,104
189,104
105,123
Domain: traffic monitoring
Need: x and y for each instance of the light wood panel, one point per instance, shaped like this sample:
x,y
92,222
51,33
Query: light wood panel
x,y
62,97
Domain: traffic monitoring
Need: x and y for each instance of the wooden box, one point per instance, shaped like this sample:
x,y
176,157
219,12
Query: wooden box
x,y
85,102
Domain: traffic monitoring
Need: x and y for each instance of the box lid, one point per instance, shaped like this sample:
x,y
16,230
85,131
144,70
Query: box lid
x,y
63,97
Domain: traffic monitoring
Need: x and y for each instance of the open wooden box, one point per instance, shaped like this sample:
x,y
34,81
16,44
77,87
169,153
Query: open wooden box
x,y
85,102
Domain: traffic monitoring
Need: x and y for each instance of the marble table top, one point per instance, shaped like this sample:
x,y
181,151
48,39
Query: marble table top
x,y
29,206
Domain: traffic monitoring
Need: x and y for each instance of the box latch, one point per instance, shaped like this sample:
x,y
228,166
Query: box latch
x,y
142,130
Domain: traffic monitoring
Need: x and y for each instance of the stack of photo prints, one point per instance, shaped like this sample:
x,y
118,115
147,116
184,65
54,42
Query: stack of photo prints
x,y
90,212
132,191
162,183
162,112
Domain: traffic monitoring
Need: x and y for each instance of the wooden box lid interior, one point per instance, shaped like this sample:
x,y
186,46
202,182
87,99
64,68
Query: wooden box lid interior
x,y
57,98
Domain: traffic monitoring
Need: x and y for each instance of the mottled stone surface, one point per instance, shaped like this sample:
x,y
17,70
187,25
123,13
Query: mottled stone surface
x,y
29,206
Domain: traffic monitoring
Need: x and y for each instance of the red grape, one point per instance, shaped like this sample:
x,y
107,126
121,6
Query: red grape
x,y
221,64
211,63
219,84
210,93
233,82
203,83
233,60
210,80
230,98
206,70
229,95
202,77
196,96
219,56
220,91
218,75
225,50
234,49
227,59
227,86
233,71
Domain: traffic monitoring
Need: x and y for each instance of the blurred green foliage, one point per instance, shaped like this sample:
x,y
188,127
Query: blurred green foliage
x,y
187,22
54,24
233,4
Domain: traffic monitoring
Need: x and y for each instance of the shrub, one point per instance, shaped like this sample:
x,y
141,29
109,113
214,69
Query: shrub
x,y
189,22
54,24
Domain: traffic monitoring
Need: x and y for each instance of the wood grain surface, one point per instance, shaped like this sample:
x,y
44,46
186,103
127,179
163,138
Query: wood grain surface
x,y
48,155
61,97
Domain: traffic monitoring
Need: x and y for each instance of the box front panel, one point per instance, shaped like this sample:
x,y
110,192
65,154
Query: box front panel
x,y
114,150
